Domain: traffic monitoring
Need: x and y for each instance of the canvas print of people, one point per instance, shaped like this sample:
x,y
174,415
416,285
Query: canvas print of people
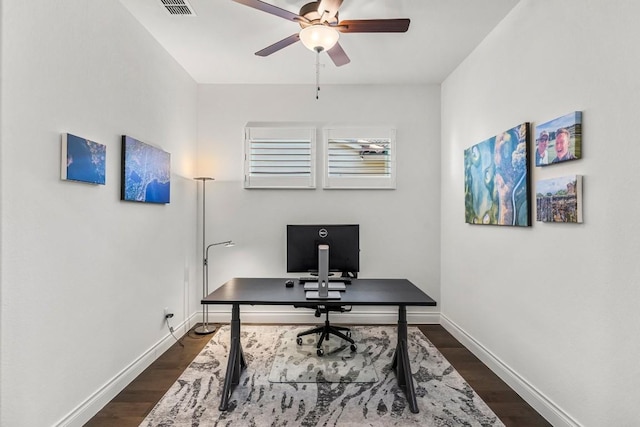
x,y
559,140
496,179
559,199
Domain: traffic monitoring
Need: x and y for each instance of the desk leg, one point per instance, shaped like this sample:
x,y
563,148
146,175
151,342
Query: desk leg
x,y
236,362
401,362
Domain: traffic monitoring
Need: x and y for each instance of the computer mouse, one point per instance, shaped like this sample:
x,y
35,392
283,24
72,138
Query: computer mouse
x,y
289,283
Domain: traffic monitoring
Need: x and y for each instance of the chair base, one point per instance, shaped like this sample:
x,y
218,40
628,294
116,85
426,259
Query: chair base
x,y
326,330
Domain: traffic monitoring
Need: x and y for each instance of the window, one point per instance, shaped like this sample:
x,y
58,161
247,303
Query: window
x,y
360,158
279,157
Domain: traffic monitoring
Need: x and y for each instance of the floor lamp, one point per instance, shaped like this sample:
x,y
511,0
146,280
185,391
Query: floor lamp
x,y
204,329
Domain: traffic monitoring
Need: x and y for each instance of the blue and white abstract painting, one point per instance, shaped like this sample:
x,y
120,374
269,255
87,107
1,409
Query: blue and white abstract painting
x,y
146,172
83,160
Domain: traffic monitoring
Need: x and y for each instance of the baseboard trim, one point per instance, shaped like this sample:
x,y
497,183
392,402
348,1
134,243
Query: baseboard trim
x,y
541,403
94,403
534,397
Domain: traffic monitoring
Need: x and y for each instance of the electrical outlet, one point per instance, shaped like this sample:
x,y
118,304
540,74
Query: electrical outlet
x,y
167,313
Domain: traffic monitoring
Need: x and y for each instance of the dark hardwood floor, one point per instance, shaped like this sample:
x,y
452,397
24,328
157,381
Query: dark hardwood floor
x,y
512,410
133,404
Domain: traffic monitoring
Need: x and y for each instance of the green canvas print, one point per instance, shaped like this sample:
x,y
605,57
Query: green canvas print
x,y
496,180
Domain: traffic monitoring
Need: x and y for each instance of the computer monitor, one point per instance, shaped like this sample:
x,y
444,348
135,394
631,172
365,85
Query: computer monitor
x,y
344,247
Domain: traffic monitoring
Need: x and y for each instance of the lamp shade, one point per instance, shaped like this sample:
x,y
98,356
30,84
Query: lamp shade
x,y
319,37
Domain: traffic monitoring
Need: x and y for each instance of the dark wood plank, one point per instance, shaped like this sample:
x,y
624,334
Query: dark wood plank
x,y
131,406
512,410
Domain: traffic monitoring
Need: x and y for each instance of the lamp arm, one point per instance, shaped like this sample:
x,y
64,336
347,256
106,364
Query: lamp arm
x,y
206,252
205,264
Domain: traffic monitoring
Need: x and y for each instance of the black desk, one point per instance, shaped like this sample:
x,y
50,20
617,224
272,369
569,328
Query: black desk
x,y
258,291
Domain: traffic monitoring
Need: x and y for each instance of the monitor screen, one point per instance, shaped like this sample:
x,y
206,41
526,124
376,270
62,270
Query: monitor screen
x,y
303,241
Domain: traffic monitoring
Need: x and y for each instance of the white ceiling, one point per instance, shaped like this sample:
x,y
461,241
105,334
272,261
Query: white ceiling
x,y
218,44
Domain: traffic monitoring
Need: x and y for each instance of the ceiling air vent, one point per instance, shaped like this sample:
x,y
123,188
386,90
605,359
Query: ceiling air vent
x,y
178,7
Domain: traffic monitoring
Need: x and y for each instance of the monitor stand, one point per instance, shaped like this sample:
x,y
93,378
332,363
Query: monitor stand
x,y
333,286
316,295
323,271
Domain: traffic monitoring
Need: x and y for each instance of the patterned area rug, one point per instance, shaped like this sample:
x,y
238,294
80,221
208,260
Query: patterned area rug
x,y
444,398
295,363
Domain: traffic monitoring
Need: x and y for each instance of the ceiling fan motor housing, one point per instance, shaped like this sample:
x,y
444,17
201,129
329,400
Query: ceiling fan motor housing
x,y
310,12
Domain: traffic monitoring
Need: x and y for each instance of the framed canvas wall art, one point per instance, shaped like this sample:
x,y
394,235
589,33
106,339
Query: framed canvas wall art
x,y
146,172
496,175
559,199
559,140
82,160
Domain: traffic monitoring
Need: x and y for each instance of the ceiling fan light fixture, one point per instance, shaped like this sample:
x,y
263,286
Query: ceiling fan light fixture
x,y
319,37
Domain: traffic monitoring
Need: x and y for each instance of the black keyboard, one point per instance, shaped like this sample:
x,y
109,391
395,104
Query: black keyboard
x,y
346,280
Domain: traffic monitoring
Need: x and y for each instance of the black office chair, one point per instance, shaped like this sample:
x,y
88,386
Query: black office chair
x,y
328,329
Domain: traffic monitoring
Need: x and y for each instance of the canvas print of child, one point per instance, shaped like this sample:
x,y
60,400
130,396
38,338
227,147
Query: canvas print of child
x,y
559,140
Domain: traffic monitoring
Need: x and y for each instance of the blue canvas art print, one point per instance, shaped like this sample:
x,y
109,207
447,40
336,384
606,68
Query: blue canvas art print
x,y
146,172
82,160
496,173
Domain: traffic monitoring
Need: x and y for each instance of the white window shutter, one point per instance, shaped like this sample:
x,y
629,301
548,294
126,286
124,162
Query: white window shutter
x,y
360,158
280,157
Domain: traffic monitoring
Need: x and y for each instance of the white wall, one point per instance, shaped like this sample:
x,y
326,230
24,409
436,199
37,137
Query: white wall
x,y
557,304
85,277
399,229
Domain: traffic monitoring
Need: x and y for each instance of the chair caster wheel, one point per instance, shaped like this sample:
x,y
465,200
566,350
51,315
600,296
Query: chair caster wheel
x,y
299,341
320,352
353,347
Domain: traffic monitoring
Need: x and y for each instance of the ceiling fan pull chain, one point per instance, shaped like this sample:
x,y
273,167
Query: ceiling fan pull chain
x,y
317,73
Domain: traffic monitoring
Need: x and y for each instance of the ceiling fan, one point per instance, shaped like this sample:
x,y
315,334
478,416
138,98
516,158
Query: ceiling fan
x,y
320,26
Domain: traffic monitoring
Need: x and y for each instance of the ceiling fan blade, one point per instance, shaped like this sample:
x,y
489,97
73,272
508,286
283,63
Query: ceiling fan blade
x,y
274,10
338,55
374,26
279,45
328,9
